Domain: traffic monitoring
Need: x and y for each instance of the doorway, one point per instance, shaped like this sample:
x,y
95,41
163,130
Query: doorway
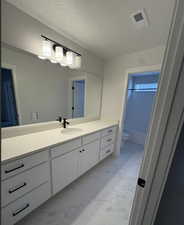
x,y
136,119
9,115
141,91
78,98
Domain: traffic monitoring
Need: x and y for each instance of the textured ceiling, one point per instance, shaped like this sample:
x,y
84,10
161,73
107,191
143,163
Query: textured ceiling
x,y
103,26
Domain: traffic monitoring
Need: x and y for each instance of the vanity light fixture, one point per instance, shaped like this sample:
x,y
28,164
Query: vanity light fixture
x,y
46,48
53,58
77,62
58,53
53,61
70,58
41,57
63,62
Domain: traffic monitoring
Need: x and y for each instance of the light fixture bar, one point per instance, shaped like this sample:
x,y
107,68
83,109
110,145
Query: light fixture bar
x,y
58,44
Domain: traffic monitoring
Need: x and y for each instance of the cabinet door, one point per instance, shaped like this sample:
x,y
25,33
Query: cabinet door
x,y
64,170
88,157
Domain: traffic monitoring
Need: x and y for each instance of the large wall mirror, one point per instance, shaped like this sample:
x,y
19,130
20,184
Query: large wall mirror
x,y
35,90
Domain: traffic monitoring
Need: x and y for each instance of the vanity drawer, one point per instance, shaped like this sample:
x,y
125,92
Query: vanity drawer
x,y
107,140
106,151
19,165
65,148
20,184
23,206
109,131
90,138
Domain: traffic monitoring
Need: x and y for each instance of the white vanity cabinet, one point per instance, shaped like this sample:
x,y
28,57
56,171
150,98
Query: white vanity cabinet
x,y
16,186
25,186
23,206
29,181
72,162
17,166
108,150
88,157
64,170
107,142
109,131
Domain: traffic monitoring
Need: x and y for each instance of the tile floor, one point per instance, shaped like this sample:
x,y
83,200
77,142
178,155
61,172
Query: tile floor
x,y
103,196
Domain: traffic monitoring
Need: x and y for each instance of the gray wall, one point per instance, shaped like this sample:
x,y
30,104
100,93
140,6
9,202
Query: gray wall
x,y
171,209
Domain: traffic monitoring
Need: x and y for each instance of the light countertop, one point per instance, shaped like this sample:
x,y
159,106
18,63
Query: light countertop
x,y
18,146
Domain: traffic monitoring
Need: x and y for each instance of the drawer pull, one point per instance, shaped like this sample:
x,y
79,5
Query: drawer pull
x,y
110,139
9,171
13,190
20,210
110,131
108,151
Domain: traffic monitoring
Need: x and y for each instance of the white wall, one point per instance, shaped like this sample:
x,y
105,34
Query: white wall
x,y
93,95
40,85
22,31
114,78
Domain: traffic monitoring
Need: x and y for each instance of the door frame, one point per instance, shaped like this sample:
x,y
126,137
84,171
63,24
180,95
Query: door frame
x,y
165,126
15,85
153,68
70,95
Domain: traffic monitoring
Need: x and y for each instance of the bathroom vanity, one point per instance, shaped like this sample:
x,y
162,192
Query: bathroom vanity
x,y
38,165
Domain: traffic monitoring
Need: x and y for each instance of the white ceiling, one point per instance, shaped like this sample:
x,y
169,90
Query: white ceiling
x,y
103,26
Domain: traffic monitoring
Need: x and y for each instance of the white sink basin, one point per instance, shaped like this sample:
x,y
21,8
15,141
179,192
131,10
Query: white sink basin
x,y
70,130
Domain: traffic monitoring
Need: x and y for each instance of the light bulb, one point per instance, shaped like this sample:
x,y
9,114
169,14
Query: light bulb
x,y
52,58
70,58
46,48
58,53
78,61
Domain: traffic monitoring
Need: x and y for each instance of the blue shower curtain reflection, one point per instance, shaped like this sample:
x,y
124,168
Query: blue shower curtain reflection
x,y
9,115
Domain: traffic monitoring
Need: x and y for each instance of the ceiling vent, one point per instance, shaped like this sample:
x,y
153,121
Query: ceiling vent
x,y
139,19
